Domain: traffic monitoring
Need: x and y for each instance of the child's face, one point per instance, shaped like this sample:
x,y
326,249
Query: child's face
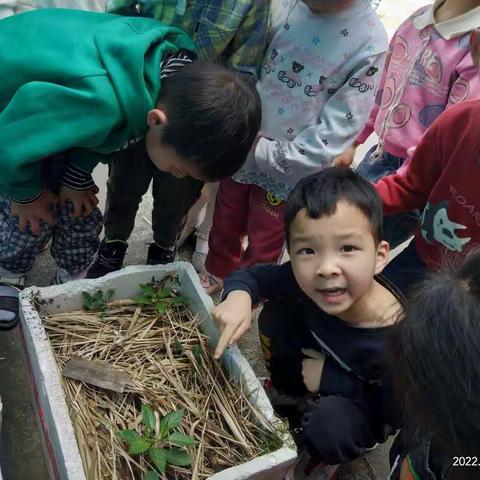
x,y
327,7
163,156
334,258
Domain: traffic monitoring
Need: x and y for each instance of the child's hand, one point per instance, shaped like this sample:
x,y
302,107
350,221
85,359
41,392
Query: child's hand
x,y
345,159
41,210
84,201
232,318
312,369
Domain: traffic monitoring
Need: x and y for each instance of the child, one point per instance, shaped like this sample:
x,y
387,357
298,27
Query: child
x,y
328,303
66,105
233,33
442,179
317,86
437,360
428,69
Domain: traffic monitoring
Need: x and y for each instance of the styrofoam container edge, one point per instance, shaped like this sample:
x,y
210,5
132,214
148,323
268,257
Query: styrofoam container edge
x,y
67,297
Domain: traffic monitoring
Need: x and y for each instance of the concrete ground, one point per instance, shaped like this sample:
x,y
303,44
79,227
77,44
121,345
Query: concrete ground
x,y
21,454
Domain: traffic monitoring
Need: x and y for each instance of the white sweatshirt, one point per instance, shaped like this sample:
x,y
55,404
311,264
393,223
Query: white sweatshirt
x,y
317,85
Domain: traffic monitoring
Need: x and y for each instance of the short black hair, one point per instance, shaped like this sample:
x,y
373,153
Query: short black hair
x,y
436,357
320,193
214,115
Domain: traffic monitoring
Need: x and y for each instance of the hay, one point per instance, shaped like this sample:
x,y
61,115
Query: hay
x,y
171,367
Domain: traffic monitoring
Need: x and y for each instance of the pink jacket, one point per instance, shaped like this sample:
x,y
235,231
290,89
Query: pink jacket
x,y
428,68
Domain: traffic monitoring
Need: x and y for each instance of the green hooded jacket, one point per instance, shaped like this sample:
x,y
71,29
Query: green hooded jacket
x,y
77,82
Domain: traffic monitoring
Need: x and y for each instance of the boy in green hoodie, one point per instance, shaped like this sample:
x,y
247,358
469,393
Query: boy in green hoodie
x,y
82,86
233,32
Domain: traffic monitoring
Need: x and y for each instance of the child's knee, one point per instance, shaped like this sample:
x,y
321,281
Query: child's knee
x,y
336,430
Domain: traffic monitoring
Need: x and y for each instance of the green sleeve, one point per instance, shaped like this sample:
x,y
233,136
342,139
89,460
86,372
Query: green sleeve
x,y
43,119
86,159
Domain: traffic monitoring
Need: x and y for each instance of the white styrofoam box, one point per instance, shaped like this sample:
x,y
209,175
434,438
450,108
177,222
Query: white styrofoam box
x,y
60,436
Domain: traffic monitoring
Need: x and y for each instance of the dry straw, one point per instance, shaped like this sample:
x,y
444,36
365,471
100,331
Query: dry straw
x,y
171,366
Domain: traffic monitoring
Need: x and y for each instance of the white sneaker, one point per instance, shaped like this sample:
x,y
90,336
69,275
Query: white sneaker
x,y
62,276
11,278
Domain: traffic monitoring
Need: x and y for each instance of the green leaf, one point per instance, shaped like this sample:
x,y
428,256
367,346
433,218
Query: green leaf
x,y
148,417
142,300
161,309
165,293
140,445
86,296
197,353
181,440
128,436
87,300
148,290
98,296
109,294
151,475
179,300
178,345
170,421
159,457
178,457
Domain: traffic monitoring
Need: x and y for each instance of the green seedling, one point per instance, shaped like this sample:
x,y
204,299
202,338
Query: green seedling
x,y
160,297
160,442
97,301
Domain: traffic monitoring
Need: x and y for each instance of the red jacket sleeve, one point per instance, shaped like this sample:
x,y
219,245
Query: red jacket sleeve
x,y
411,185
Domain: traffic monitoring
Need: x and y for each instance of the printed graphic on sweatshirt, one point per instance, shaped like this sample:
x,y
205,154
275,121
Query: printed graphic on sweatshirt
x,y
427,71
294,77
437,226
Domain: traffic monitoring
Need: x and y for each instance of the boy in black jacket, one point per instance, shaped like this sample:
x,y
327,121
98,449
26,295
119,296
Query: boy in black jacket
x,y
325,326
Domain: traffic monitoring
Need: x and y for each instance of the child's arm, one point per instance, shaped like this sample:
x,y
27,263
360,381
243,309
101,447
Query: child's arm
x,y
467,84
411,185
241,290
247,49
347,156
43,119
340,120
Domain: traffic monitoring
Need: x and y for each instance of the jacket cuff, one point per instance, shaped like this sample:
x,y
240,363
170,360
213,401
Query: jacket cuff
x,y
76,178
29,200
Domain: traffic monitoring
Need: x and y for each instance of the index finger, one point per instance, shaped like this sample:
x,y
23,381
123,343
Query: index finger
x,y
225,337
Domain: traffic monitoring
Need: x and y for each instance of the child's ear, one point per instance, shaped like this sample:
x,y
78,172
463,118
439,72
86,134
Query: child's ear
x,y
382,256
157,116
475,47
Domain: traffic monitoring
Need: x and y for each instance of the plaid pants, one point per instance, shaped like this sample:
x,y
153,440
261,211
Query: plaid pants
x,y
75,241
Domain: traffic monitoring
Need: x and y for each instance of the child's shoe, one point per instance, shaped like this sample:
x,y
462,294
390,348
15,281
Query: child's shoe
x,y
8,309
158,255
16,279
110,258
307,468
210,283
63,276
198,261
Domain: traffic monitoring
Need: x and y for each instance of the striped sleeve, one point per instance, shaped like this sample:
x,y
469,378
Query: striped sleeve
x,y
76,178
174,62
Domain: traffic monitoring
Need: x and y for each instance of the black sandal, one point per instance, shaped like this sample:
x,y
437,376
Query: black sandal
x,y
9,307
